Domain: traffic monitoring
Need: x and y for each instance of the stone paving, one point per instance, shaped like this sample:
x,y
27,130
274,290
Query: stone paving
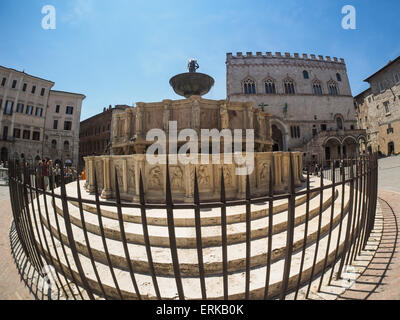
x,y
380,281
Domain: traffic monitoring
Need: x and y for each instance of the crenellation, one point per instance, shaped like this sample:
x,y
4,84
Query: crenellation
x,y
286,55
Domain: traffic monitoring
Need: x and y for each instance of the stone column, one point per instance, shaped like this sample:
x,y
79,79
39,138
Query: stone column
x,y
90,162
286,168
139,166
125,175
278,171
107,189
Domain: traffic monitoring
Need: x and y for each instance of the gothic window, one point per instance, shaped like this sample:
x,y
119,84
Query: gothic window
x,y
338,77
54,144
339,123
249,86
387,109
317,88
289,86
270,87
333,89
306,75
295,132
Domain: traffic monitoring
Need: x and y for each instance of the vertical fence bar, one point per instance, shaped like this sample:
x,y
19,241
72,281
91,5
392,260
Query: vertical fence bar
x,y
172,237
54,243
71,240
348,228
303,255
224,237
361,200
37,261
85,233
342,180
199,241
270,229
317,241
330,226
60,238
103,237
123,236
146,237
248,238
366,192
289,232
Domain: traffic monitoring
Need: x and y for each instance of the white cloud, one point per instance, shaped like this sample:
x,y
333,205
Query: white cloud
x,y
78,11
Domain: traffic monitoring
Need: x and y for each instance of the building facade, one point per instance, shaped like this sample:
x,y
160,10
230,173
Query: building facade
x,y
95,134
378,110
62,127
309,99
26,117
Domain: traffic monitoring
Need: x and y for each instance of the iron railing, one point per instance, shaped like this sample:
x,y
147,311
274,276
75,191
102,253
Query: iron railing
x,y
46,243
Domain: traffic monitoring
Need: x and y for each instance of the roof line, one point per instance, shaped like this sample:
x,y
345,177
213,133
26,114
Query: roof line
x,y
29,75
387,66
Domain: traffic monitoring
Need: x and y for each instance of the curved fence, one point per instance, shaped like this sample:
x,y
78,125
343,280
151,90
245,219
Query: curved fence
x,y
253,248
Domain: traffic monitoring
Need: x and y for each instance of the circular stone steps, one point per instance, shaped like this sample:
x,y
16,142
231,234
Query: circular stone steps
x,y
187,253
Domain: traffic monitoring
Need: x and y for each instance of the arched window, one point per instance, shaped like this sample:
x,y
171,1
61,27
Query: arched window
x,y
333,89
54,144
338,77
270,87
289,86
305,74
317,88
249,86
66,146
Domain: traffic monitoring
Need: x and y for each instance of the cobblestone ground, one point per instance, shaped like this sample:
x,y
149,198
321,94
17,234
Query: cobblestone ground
x,y
11,285
380,281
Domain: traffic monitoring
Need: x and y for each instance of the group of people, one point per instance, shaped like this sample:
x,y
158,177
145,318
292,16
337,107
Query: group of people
x,y
3,165
52,174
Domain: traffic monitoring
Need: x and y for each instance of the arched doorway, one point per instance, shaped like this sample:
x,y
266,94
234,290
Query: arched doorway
x,y
333,149
350,147
4,154
277,137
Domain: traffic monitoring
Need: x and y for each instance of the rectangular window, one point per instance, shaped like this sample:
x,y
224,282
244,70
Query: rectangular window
x,y
3,82
382,87
323,127
20,108
5,133
396,78
42,92
39,112
29,110
70,110
55,124
387,110
33,89
17,133
26,135
68,125
36,136
24,87
14,84
9,107
58,108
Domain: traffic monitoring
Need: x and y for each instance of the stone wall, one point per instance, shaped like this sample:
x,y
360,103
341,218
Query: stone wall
x,y
128,168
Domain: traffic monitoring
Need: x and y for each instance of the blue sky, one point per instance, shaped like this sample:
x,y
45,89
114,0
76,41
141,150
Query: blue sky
x,y
125,51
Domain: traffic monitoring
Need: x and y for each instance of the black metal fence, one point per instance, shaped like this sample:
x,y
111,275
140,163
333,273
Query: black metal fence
x,y
356,178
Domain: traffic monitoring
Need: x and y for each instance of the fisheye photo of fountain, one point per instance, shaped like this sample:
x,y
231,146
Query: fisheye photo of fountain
x,y
199,159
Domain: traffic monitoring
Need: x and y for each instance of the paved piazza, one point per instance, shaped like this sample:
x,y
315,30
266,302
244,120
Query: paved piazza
x,y
377,282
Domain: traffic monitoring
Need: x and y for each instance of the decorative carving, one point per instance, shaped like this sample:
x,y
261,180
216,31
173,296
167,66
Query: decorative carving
x,y
203,176
227,176
131,176
155,178
118,168
264,172
176,178
224,117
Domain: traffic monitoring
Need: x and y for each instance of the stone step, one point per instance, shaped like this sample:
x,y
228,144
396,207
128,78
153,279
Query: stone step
x,y
186,236
188,257
214,284
158,217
